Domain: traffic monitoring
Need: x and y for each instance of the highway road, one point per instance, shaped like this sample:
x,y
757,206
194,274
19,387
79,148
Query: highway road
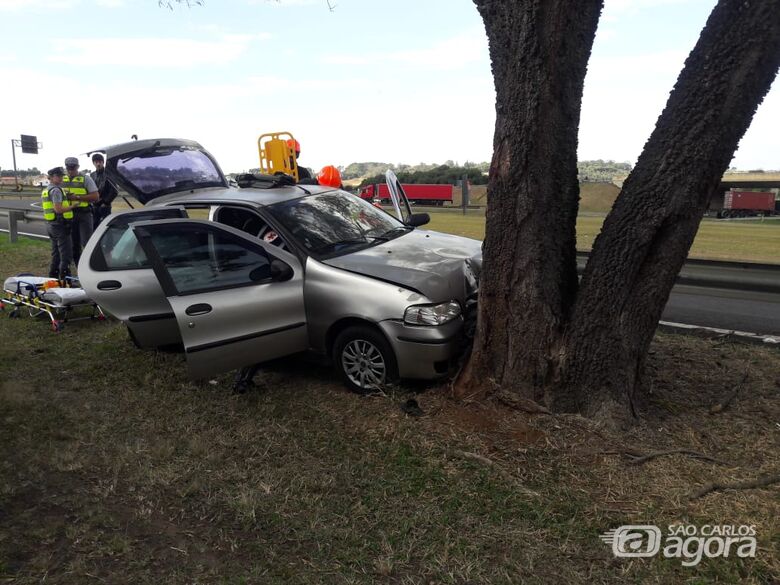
x,y
754,312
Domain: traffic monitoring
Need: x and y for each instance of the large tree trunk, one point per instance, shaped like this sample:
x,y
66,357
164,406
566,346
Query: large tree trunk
x,y
539,51
649,231
537,334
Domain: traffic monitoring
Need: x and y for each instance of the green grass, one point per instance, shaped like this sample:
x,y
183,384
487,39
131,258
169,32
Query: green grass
x,y
752,241
115,468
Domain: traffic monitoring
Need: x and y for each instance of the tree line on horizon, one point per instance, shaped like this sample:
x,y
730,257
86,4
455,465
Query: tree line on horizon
x,y
451,173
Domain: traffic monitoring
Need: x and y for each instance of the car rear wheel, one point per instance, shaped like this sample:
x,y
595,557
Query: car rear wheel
x,y
364,359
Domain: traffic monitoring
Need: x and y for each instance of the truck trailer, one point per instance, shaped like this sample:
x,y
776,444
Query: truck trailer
x,y
421,194
748,204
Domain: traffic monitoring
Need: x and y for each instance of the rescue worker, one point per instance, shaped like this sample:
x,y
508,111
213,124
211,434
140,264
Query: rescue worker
x,y
295,146
58,213
106,190
82,190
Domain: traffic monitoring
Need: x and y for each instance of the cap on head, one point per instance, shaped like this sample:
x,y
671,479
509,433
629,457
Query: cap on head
x,y
56,171
97,157
293,144
329,176
71,161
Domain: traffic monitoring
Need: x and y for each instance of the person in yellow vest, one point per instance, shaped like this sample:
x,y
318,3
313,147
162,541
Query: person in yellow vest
x,y
58,213
82,190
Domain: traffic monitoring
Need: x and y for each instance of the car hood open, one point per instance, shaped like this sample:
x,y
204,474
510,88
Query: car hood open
x,y
440,266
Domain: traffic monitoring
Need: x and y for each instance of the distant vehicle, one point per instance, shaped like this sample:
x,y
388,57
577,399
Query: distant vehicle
x,y
242,274
420,194
748,204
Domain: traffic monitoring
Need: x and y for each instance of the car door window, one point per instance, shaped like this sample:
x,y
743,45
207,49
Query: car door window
x,y
199,258
118,248
249,222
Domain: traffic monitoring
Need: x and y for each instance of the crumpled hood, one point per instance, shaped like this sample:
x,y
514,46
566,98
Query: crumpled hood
x,y
440,266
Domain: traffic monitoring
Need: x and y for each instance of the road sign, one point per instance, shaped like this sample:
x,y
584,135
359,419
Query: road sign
x,y
29,144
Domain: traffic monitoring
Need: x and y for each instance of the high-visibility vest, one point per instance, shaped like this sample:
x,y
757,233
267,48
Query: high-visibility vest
x,y
75,186
48,207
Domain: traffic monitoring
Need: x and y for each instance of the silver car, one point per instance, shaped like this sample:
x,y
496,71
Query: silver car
x,y
242,273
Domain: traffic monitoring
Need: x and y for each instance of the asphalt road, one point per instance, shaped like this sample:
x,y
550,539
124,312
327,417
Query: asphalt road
x,y
693,305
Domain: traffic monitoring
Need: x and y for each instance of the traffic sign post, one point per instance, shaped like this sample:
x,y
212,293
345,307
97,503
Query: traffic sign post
x,y
29,145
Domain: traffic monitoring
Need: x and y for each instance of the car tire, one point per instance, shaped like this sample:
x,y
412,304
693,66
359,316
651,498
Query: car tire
x,y
364,359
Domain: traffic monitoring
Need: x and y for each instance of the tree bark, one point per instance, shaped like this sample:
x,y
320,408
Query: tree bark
x,y
539,51
647,235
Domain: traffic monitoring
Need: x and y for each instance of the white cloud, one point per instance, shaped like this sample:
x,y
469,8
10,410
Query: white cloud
x,y
614,9
287,2
111,3
151,52
15,5
448,54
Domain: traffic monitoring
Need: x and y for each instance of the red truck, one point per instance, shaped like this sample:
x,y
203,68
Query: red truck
x,y
417,193
748,203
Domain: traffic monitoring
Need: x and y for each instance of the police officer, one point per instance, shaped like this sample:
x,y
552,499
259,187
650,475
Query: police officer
x,y
82,190
106,189
58,213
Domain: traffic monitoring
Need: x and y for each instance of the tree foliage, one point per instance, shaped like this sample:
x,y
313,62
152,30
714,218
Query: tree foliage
x,y
441,175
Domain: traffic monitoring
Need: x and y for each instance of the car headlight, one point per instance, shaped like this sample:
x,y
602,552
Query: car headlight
x,y
432,314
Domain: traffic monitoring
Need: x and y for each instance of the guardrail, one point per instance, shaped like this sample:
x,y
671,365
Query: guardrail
x,y
17,216
742,276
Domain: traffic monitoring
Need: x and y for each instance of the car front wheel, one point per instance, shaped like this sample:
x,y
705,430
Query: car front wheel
x,y
364,359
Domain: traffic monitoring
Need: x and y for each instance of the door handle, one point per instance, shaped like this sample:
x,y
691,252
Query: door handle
x,y
199,309
109,285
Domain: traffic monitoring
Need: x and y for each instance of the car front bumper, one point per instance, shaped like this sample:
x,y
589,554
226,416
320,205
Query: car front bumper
x,y
424,352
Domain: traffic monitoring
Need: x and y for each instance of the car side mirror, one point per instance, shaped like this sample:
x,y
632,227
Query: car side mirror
x,y
418,219
280,271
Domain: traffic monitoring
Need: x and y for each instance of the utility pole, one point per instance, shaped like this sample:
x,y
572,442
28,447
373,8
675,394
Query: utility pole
x,y
464,185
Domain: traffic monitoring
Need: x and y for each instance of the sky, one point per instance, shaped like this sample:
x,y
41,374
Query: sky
x,y
402,81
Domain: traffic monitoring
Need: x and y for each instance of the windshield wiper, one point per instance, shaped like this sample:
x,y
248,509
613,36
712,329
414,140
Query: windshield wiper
x,y
389,234
330,246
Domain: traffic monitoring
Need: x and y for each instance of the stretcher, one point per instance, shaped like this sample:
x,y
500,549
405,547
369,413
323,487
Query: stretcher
x,y
46,296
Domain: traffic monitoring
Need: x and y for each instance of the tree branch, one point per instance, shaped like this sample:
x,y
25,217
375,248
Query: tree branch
x,y
639,460
763,481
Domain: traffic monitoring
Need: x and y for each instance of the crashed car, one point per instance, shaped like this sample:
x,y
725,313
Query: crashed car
x,y
240,274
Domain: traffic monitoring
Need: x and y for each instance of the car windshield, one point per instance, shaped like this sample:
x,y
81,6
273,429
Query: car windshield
x,y
336,223
169,169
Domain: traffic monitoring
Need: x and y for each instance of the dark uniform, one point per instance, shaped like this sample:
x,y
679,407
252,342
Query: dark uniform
x,y
58,227
102,207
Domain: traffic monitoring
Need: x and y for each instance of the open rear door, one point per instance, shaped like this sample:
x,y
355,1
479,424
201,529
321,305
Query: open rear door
x,y
403,210
117,275
237,301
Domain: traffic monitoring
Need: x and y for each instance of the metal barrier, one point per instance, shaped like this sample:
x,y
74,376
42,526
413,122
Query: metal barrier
x,y
21,216
743,276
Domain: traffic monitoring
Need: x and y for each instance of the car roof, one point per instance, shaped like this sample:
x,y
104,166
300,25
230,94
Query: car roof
x,y
245,195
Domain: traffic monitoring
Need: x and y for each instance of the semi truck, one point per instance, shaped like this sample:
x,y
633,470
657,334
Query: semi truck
x,y
748,204
420,194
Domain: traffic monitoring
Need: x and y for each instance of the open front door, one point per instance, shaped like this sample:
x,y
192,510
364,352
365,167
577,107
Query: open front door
x,y
236,300
403,210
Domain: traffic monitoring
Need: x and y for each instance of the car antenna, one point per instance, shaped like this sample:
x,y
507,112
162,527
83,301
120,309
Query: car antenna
x,y
304,190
